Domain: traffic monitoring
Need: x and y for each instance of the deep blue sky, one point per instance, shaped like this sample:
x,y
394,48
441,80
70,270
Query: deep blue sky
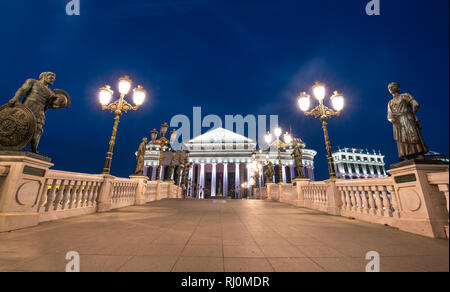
x,y
230,57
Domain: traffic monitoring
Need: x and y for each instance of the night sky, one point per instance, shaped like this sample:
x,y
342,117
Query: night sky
x,y
229,57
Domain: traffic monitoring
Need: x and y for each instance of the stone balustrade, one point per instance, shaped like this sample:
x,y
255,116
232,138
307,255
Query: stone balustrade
x,y
440,180
415,198
371,200
123,193
67,194
31,193
315,196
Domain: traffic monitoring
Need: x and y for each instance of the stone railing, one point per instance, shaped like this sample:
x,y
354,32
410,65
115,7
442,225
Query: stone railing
x,y
371,200
30,192
315,196
440,180
123,193
150,191
67,194
415,198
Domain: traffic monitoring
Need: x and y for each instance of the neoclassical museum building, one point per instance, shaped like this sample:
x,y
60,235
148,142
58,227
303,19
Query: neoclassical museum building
x,y
220,161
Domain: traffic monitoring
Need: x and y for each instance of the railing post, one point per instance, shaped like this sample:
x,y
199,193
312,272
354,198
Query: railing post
x,y
22,181
105,194
334,198
299,183
422,206
140,189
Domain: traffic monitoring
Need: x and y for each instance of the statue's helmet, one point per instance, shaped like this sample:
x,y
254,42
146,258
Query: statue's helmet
x,y
394,87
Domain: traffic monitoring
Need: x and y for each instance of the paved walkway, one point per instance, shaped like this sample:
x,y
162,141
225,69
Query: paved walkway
x,y
190,235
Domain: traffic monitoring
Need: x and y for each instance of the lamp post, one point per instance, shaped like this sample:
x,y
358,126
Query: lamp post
x,y
279,143
163,142
324,113
117,107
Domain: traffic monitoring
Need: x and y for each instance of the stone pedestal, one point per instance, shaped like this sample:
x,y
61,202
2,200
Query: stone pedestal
x,y
22,176
273,192
140,195
104,196
334,198
422,207
298,183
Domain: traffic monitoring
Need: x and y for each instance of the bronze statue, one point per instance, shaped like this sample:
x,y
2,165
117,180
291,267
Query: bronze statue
x,y
17,127
402,109
140,157
269,173
171,169
298,157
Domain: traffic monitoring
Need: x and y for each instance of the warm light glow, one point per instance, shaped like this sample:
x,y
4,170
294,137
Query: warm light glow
x,y
124,85
252,181
277,131
154,135
287,138
105,95
268,138
164,128
319,91
337,100
139,95
173,136
304,101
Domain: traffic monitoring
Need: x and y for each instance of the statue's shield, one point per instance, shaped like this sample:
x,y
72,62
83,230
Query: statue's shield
x,y
62,99
17,126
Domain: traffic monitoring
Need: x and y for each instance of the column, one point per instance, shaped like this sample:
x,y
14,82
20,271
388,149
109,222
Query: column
x,y
225,179
236,180
292,169
190,186
213,180
202,181
248,180
283,170
154,169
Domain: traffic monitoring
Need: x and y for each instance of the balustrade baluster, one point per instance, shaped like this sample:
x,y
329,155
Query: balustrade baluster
x,y
358,200
386,203
365,207
372,206
353,198
378,203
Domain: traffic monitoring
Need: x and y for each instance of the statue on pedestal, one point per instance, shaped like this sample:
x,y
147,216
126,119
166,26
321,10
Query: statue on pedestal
x,y
140,157
171,169
402,109
269,173
298,157
21,123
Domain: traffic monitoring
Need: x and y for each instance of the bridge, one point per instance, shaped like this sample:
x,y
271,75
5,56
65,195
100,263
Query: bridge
x,y
133,224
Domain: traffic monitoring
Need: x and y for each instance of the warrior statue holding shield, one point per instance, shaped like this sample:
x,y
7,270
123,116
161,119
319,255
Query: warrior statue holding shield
x,y
21,123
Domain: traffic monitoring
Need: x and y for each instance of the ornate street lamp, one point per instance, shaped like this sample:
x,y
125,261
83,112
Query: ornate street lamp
x,y
324,113
279,143
117,107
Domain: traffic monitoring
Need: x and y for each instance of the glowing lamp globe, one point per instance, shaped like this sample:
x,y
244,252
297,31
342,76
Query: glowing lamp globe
x,y
139,95
124,85
304,101
277,131
337,100
268,138
319,91
105,95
